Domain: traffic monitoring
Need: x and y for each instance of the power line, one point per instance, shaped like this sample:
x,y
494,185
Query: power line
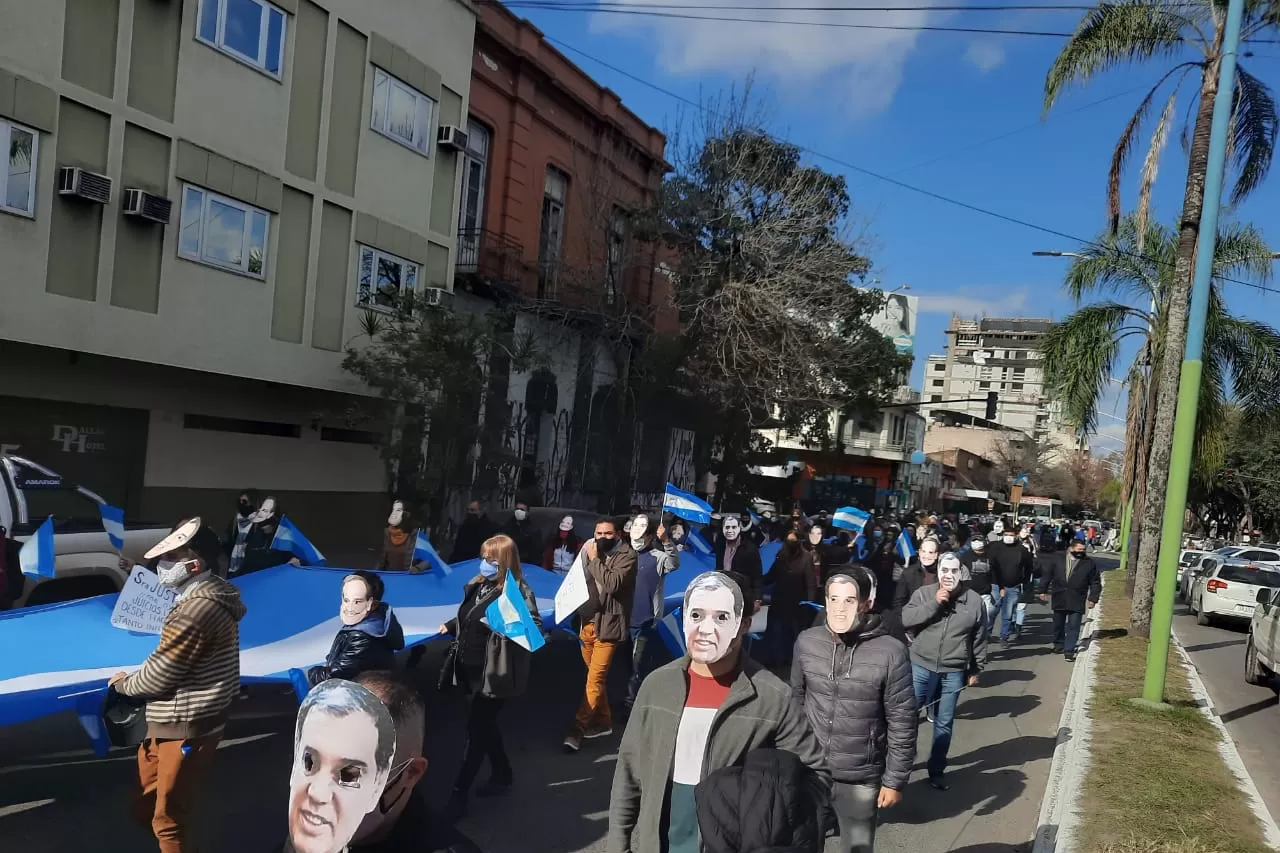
x,y
605,4
1003,217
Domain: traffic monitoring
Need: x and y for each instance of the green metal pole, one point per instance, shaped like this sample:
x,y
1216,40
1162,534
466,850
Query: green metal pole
x,y
1126,520
1184,428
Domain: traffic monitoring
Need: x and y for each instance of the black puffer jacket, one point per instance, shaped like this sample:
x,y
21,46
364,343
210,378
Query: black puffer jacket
x,y
369,644
857,693
770,802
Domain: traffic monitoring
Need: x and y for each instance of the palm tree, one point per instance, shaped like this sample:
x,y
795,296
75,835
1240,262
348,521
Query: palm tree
x,y
1133,31
1242,356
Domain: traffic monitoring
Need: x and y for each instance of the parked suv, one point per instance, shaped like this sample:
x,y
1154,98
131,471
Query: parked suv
x,y
1262,654
1229,590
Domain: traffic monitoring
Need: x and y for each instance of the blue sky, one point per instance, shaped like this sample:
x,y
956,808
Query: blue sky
x,y
891,101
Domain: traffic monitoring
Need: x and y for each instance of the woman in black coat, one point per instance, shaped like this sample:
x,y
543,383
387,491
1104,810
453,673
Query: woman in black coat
x,y
794,582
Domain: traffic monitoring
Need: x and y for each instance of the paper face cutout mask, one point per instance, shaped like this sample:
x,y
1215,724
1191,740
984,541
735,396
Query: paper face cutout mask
x,y
639,527
815,535
343,745
844,604
712,616
732,528
356,601
566,523
175,540
397,514
929,553
951,572
265,511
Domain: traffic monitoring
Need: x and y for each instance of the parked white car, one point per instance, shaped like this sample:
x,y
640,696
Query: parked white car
x,y
1262,653
1187,561
1229,590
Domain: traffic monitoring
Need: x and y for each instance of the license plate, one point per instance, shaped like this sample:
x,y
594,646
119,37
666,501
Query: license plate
x,y
1244,608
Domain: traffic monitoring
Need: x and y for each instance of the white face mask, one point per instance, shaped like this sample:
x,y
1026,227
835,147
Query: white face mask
x,y
1007,539
174,574
521,514
639,527
732,528
397,514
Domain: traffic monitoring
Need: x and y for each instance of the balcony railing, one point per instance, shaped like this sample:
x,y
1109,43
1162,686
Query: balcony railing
x,y
491,256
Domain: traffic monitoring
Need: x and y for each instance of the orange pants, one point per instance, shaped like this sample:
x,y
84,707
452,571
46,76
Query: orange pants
x,y
170,787
594,713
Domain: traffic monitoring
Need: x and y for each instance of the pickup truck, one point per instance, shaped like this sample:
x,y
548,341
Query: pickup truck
x,y
85,563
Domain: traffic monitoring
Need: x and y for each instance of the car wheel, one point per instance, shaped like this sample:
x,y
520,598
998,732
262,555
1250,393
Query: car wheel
x,y
1202,618
1253,673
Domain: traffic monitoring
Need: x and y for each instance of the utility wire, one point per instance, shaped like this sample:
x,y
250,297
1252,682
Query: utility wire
x,y
1013,220
741,7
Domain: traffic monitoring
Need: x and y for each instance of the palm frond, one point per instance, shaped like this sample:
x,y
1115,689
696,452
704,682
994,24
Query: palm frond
x,y
1253,138
1114,34
1115,264
1249,352
1080,354
1150,168
1210,449
1242,252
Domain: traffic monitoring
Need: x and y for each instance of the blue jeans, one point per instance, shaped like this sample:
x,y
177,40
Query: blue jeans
x,y
1006,600
927,683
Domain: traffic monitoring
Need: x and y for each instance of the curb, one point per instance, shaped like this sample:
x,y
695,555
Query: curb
x,y
1227,749
1059,810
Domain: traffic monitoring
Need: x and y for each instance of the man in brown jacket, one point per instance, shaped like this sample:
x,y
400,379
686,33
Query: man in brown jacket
x,y
188,682
606,617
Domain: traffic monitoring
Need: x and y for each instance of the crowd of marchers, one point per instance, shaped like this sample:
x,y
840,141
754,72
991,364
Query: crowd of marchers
x,y
791,739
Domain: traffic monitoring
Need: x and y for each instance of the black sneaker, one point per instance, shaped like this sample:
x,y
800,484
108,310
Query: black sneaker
x,y
1057,650
1070,656
494,787
939,783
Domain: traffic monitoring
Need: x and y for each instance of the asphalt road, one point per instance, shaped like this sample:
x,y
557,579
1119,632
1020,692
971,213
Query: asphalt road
x,y
1251,714
55,796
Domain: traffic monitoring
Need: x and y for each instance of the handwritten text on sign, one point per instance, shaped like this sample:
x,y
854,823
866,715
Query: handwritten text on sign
x,y
143,603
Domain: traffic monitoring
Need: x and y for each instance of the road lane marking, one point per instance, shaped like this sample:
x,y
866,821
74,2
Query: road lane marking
x,y
19,808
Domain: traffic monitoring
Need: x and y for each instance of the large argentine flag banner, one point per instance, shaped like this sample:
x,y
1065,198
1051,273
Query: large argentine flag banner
x,y
686,506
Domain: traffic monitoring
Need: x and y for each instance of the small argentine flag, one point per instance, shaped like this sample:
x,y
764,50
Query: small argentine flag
x,y
113,523
289,538
36,554
509,616
686,506
906,548
671,630
698,543
850,518
422,550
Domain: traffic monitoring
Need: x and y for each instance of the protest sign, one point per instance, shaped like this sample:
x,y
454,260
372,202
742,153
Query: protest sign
x,y
573,591
143,603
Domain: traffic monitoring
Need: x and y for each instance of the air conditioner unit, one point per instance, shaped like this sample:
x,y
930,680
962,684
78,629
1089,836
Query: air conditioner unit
x,y
147,205
451,138
438,297
84,184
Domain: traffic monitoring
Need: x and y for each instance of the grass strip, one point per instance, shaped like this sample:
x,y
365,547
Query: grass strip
x,y
1155,781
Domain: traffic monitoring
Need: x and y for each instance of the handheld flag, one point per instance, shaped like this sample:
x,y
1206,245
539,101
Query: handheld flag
x,y
289,538
860,546
905,547
698,543
113,523
509,616
686,506
1021,480
36,555
850,518
671,630
422,550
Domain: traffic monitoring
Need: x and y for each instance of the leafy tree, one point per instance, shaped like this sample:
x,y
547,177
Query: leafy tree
x,y
1244,494
1122,33
428,366
775,333
1083,352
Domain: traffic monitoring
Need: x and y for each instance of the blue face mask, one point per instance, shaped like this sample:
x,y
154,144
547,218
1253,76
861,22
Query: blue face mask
x,y
488,569
877,534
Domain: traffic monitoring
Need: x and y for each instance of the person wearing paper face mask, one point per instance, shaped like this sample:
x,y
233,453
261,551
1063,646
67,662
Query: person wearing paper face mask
x,y
370,634
398,542
258,553
921,571
188,682
656,557
524,533
610,566
561,548
695,716
948,621
854,682
736,554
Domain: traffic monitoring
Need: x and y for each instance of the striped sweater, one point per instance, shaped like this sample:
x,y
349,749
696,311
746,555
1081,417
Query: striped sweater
x,y
192,677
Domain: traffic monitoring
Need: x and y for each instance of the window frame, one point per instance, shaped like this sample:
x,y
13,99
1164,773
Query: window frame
x,y
258,63
420,98
6,134
198,256
377,253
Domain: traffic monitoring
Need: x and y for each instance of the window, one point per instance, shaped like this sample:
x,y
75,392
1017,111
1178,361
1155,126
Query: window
x,y
897,429
382,278
972,340
551,233
938,383
475,163
935,398
223,232
401,112
1245,574
984,384
251,31
1015,386
938,365
214,423
18,177
617,251
1020,354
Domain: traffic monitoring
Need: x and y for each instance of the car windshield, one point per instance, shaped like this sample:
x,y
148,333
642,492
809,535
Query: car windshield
x,y
1250,574
1189,557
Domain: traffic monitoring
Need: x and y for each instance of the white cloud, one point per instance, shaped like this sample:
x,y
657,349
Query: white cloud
x,y
985,55
964,302
860,69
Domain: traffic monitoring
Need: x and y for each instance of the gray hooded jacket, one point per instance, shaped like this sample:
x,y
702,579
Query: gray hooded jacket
x,y
949,637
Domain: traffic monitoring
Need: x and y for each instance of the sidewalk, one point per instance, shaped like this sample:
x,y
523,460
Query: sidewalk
x,y
1005,733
